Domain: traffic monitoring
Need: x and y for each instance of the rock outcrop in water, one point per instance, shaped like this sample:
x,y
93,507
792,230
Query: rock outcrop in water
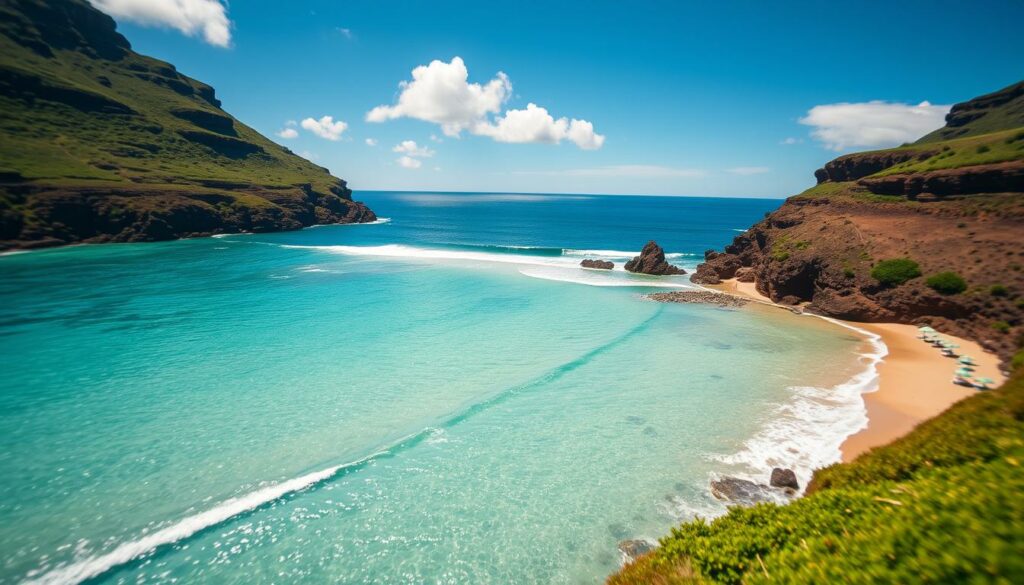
x,y
633,549
740,491
101,144
652,261
597,264
784,478
703,297
950,206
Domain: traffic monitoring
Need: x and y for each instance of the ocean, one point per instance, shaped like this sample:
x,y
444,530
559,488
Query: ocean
x,y
443,396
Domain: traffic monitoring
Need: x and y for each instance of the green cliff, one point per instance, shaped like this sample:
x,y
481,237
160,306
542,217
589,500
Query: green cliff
x,y
99,144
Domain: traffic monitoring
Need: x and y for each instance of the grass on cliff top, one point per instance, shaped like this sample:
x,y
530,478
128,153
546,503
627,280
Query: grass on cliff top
x,y
941,505
1003,146
50,140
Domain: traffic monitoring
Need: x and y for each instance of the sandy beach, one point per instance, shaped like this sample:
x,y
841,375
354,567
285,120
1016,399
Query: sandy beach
x,y
915,379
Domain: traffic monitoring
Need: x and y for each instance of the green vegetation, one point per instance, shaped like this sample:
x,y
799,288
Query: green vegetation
x,y
999,290
1005,109
941,505
1000,326
991,148
105,113
947,283
896,271
80,111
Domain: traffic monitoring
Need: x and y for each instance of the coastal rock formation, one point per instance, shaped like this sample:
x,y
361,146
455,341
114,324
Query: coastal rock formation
x,y
745,274
784,478
633,549
652,261
824,248
740,491
1004,177
101,144
597,264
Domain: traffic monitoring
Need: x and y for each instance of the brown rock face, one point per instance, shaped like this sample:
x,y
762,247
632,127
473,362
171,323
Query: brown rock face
x,y
597,264
652,261
822,251
745,274
855,166
1005,177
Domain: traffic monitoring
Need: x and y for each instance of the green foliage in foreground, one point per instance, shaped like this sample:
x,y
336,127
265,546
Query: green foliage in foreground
x,y
896,271
941,505
947,283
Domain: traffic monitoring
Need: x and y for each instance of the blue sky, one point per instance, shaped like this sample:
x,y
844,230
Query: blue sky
x,y
683,98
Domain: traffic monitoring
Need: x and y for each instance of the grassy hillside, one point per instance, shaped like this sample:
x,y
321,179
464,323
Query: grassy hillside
x,y
983,115
941,505
83,116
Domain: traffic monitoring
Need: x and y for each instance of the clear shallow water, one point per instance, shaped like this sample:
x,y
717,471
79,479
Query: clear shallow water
x,y
444,397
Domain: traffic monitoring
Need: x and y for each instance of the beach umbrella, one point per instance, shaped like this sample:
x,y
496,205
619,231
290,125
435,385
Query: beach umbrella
x,y
926,329
985,381
949,345
964,373
966,359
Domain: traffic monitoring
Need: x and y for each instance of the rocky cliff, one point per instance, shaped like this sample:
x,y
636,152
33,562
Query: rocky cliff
x,y
101,144
950,212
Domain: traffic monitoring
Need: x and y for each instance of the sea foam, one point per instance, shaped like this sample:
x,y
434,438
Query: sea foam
x,y
806,432
90,567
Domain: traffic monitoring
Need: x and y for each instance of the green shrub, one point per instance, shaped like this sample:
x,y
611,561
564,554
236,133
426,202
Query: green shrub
x,y
780,256
947,283
983,149
896,271
999,290
1001,326
849,273
1017,362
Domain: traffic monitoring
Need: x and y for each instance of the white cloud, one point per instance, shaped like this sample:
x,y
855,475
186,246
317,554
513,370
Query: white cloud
x,y
633,171
872,124
410,148
535,124
409,162
791,140
749,170
325,127
434,138
441,93
192,17
288,133
371,142
582,133
345,32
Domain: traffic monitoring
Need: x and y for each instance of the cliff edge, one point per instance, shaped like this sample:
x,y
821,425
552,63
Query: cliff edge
x,y
101,144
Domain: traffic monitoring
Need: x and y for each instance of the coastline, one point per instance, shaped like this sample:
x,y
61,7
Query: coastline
x,y
914,378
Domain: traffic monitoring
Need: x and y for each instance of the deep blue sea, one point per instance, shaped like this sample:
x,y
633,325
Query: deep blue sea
x,y
444,396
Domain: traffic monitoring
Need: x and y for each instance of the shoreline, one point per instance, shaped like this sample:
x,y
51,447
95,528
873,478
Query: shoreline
x,y
914,379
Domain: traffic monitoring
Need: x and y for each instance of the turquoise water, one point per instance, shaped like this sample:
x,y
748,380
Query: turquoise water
x,y
442,397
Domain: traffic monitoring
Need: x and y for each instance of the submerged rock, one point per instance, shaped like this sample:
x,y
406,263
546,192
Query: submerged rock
x,y
635,548
740,491
784,478
652,261
598,264
706,297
